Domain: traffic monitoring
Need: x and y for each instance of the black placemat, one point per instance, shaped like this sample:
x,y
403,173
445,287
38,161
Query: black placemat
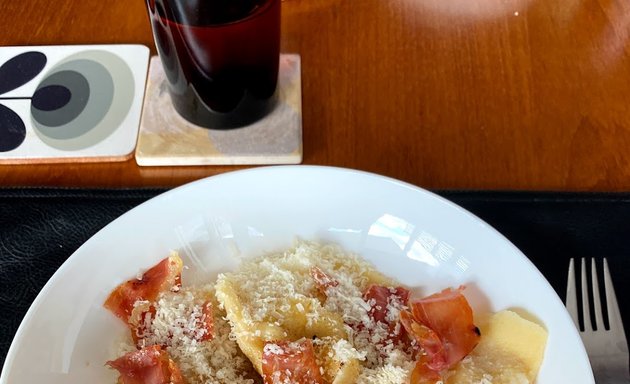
x,y
40,228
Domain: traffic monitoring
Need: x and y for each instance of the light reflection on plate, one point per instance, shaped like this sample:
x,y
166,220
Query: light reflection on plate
x,y
422,240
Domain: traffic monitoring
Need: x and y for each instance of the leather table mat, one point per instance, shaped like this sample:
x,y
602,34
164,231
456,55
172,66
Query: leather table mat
x,y
40,228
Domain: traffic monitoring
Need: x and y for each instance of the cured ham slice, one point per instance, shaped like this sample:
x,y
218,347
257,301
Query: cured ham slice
x,y
150,365
290,363
442,324
164,276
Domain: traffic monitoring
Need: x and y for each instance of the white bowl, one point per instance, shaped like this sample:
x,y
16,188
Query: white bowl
x,y
413,235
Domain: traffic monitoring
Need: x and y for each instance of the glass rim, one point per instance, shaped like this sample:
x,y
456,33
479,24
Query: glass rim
x,y
257,13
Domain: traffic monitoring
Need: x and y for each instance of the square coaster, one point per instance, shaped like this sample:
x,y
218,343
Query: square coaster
x,y
70,102
166,138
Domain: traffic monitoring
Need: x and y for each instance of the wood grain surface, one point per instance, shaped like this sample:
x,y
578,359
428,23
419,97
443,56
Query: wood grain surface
x,y
450,94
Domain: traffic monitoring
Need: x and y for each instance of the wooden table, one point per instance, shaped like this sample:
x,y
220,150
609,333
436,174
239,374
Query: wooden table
x,y
481,94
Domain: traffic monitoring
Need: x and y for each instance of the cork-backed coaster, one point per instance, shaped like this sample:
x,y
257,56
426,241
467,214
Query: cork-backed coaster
x,y
166,138
71,102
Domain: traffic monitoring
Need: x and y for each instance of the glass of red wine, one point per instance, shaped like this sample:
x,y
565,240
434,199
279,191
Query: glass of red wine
x,y
220,57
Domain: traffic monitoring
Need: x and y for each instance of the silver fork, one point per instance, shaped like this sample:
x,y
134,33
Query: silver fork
x,y
607,348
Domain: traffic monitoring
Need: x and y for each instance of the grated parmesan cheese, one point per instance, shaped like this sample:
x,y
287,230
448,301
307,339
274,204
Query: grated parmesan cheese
x,y
279,291
344,352
175,325
384,374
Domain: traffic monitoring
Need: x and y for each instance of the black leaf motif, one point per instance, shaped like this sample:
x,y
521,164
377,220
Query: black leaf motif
x,y
21,69
51,98
12,129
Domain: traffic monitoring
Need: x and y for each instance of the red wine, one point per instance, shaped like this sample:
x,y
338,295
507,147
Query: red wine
x,y
221,57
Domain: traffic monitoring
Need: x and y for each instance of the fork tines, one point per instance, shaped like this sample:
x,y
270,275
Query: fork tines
x,y
607,347
614,315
